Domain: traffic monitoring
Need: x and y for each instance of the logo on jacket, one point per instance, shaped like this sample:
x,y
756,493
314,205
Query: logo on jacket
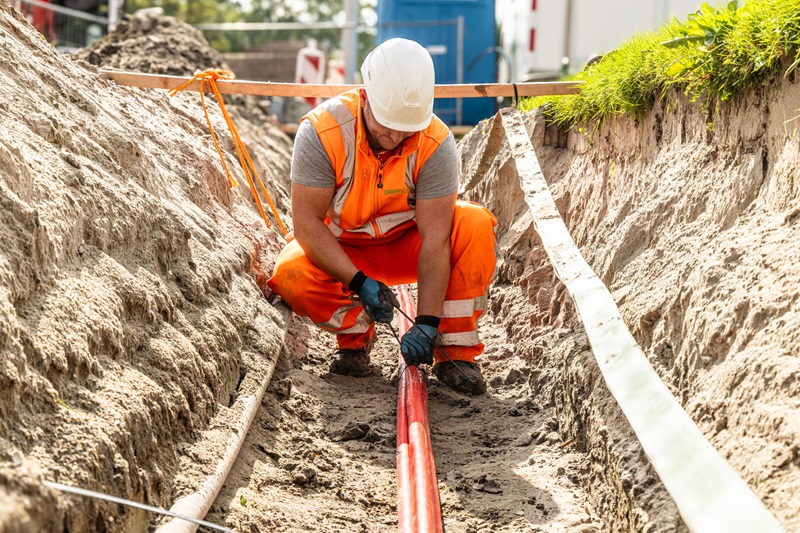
x,y
389,192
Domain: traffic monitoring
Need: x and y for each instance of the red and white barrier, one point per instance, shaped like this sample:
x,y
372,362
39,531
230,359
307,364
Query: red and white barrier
x,y
336,72
310,68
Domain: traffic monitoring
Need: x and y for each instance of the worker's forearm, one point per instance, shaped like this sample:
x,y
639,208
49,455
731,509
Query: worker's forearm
x,y
325,251
433,277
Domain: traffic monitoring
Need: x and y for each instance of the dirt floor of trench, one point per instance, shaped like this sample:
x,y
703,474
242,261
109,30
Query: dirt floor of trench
x,y
145,409
320,455
131,321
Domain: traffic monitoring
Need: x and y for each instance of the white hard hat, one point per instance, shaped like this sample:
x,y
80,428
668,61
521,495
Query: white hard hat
x,y
399,79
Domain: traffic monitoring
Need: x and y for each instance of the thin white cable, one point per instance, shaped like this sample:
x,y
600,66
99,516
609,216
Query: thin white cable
x,y
709,494
130,503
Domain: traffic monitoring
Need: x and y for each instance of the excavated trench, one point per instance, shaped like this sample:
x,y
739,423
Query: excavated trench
x,y
136,325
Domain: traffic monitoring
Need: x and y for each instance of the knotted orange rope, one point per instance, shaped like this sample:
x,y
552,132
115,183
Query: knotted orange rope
x,y
209,77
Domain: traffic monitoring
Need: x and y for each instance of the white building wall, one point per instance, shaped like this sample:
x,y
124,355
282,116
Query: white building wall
x,y
595,27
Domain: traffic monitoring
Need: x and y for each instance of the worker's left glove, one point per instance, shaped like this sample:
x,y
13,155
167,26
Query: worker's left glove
x,y
376,297
418,343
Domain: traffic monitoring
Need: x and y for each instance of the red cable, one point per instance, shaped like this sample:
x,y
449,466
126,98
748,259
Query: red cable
x,y
417,489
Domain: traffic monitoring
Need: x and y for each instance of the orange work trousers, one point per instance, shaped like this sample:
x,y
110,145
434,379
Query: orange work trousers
x,y
332,306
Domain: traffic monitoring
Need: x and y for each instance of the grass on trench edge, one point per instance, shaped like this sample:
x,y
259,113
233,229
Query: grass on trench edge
x,y
715,52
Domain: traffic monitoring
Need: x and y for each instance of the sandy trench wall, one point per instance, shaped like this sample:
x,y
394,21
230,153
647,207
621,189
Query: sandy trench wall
x,y
129,311
691,218
155,44
550,345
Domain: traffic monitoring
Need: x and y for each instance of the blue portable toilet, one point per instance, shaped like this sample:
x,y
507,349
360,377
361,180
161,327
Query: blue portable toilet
x,y
459,50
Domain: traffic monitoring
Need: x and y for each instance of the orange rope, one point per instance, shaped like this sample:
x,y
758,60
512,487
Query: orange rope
x,y
210,76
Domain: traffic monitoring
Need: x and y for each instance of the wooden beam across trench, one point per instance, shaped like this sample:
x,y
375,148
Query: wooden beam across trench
x,y
310,90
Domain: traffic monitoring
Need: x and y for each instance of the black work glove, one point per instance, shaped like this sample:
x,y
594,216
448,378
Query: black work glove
x,y
418,343
376,297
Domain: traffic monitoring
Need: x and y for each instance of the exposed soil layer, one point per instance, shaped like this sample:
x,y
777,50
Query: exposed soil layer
x,y
130,315
153,44
135,323
691,218
321,455
134,326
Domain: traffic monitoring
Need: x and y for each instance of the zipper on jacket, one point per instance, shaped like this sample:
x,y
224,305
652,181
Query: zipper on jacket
x,y
376,206
376,200
382,162
361,189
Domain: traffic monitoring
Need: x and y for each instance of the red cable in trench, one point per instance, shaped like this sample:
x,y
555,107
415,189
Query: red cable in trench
x,y
418,507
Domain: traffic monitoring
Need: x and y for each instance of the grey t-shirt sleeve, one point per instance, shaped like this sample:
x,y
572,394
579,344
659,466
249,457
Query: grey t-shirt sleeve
x,y
439,175
310,163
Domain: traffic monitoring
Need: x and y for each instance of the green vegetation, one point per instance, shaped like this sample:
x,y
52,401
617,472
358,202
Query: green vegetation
x,y
714,53
63,404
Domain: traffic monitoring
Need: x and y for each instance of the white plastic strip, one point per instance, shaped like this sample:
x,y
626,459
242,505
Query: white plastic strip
x,y
710,496
199,502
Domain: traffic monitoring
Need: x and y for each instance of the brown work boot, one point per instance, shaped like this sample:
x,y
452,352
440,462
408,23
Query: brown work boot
x,y
460,376
352,361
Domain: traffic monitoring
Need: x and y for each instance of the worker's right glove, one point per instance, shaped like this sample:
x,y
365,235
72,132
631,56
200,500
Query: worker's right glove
x,y
418,343
374,297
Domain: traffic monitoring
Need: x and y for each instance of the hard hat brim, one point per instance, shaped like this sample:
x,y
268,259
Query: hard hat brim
x,y
401,126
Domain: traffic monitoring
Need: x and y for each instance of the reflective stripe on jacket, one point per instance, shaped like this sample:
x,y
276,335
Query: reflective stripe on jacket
x,y
360,209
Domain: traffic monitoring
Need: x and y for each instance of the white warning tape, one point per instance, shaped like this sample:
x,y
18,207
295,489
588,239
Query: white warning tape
x,y
710,496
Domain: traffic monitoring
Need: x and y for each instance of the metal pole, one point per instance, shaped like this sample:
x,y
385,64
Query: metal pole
x,y
355,7
662,12
459,65
350,39
568,30
113,14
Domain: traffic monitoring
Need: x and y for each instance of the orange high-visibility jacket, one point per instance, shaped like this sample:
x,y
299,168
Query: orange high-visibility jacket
x,y
362,214
359,210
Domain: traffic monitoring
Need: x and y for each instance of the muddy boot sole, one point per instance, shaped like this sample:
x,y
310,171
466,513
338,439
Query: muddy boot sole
x,y
351,363
461,376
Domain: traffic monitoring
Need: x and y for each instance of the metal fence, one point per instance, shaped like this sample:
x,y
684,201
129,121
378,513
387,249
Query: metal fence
x,y
446,38
71,29
68,29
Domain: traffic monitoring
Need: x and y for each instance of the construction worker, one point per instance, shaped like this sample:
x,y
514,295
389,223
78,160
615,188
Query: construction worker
x,y
374,183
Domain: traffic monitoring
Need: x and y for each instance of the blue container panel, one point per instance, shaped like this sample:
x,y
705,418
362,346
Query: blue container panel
x,y
433,38
410,19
